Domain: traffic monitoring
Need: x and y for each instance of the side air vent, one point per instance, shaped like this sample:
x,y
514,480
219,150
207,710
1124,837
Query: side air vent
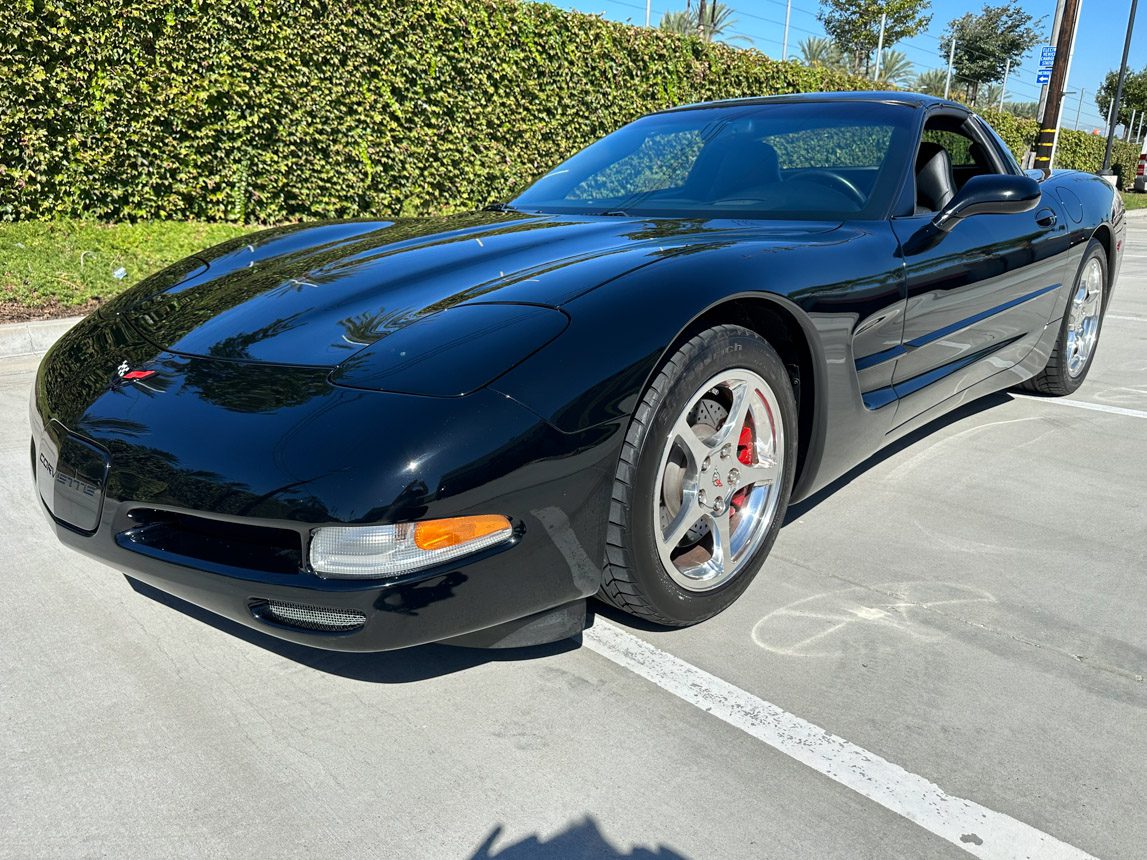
x,y
315,618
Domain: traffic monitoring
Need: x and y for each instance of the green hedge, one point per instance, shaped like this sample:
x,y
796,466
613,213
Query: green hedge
x,y
1075,150
272,110
278,109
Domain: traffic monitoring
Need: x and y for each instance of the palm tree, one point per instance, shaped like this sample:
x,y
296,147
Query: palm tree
x,y
1022,109
819,51
931,82
678,22
718,20
988,97
816,50
895,68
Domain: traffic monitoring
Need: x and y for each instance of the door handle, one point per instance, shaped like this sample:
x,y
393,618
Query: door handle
x,y
1046,218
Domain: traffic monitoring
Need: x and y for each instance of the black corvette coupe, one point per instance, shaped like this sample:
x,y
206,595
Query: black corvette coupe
x,y
371,434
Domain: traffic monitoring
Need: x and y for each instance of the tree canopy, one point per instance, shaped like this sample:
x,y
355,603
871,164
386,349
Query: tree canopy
x,y
854,25
986,42
1134,94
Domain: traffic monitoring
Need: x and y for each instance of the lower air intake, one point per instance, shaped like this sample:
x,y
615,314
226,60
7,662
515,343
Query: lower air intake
x,y
312,617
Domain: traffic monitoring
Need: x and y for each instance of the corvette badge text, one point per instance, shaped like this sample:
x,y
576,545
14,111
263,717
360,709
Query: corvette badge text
x,y
68,481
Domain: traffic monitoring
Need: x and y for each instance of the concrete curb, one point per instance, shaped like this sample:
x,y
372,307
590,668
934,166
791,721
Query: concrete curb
x,y
31,338
1136,214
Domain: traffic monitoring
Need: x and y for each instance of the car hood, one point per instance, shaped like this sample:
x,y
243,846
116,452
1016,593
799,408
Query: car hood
x,y
315,295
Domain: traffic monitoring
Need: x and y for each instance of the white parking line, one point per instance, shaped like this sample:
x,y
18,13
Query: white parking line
x,y
1081,404
977,829
1124,317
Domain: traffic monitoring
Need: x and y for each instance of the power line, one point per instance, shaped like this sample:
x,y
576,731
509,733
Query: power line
x,y
921,57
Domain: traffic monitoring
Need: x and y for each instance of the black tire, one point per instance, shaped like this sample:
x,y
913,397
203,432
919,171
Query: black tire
x,y
1055,380
635,578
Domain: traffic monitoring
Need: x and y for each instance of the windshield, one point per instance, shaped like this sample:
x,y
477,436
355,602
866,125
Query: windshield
x,y
812,160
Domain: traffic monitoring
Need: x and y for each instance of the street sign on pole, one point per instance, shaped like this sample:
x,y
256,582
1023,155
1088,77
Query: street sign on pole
x,y
1043,77
1056,83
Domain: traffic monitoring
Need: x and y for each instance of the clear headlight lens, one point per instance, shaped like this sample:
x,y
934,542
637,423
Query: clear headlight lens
x,y
376,552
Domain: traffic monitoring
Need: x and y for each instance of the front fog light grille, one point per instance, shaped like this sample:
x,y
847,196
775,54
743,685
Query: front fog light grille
x,y
313,617
378,552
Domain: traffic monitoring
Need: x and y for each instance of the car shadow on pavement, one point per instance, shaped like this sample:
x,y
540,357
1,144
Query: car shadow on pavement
x,y
408,665
974,407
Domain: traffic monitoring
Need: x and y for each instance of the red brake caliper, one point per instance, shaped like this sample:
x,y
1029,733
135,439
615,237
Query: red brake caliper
x,y
745,455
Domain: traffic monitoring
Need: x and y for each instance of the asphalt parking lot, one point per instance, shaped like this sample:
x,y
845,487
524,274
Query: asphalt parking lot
x,y
945,654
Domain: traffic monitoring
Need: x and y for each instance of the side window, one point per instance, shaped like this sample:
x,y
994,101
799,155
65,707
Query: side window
x,y
959,146
947,158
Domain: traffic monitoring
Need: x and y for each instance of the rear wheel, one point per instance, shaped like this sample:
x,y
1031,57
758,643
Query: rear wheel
x,y
704,479
1079,332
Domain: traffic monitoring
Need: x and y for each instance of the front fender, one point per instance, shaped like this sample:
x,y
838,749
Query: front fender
x,y
844,288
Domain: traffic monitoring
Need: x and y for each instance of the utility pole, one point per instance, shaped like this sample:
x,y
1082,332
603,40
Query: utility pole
x,y
1130,125
1004,85
1053,106
951,60
1078,108
1055,22
648,9
1106,171
880,46
1139,131
785,44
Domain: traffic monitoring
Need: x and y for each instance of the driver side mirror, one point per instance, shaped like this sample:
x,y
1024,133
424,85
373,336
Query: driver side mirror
x,y
991,194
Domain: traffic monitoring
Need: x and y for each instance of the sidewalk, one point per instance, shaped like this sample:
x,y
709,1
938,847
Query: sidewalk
x,y
29,338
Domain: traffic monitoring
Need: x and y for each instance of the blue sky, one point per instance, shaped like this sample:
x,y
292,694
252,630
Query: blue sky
x,y
1099,43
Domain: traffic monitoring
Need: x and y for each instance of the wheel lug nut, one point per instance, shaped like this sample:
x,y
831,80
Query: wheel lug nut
x,y
734,476
705,465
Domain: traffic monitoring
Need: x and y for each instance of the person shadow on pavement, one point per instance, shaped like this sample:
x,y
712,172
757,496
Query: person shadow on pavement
x,y
582,839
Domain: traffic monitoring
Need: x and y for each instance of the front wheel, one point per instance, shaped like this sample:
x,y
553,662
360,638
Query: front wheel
x,y
1079,332
704,479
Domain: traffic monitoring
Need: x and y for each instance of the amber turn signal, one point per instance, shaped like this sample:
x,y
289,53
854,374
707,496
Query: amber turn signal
x,y
369,552
440,534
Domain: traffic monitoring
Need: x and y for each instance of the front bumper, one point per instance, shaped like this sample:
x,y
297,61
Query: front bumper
x,y
247,447
528,575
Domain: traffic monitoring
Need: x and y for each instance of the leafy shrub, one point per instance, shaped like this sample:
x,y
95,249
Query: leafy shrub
x,y
272,110
1075,150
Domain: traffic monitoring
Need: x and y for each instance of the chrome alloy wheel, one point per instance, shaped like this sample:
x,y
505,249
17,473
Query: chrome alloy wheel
x,y
1083,317
719,480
